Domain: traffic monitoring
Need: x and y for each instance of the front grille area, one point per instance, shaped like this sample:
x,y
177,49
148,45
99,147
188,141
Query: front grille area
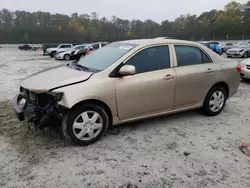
x,y
40,100
248,67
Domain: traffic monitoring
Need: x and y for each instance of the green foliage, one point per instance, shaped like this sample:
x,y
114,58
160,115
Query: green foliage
x,y
233,22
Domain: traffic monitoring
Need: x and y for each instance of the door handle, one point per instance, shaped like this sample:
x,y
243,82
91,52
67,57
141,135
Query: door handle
x,y
209,70
168,77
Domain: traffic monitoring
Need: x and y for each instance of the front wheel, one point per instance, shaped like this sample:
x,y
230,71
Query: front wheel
x,y
245,55
67,57
52,54
215,101
85,124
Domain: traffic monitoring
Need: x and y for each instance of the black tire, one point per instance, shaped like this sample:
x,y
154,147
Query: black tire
x,y
52,54
206,107
67,123
244,79
245,55
66,57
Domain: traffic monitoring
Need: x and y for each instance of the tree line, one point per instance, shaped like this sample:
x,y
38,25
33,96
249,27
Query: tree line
x,y
233,22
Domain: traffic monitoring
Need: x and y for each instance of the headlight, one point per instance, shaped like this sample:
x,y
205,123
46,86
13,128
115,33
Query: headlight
x,y
241,50
22,103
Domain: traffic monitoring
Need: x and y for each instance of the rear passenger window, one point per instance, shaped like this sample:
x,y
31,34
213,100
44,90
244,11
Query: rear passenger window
x,y
205,58
190,55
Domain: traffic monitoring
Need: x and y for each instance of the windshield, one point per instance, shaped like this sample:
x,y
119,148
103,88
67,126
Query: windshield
x,y
78,47
106,56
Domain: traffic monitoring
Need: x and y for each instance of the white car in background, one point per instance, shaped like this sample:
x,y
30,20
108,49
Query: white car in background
x,y
66,55
241,50
245,69
52,51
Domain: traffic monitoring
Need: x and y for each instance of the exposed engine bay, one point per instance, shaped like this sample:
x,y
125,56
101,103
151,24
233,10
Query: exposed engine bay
x,y
40,109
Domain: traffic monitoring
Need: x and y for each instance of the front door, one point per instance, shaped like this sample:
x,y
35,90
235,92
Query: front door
x,y
151,89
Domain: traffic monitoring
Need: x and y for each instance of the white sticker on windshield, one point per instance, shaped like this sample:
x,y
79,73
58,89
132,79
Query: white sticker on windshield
x,y
126,47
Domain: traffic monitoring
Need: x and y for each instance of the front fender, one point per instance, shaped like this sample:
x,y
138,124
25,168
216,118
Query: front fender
x,y
103,90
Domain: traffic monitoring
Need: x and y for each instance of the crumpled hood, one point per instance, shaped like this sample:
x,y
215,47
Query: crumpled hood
x,y
48,79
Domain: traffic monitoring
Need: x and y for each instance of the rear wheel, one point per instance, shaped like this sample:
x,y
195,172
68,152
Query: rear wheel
x,y
85,124
215,101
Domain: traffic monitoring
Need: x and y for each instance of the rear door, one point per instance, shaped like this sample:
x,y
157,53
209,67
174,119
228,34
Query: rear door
x,y
196,74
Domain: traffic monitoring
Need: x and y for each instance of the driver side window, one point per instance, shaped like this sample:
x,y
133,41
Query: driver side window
x,y
151,59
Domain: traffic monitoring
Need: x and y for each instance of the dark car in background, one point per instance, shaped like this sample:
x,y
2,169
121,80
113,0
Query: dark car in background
x,y
25,47
94,46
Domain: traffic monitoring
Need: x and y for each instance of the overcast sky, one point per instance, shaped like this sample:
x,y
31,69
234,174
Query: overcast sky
x,y
157,10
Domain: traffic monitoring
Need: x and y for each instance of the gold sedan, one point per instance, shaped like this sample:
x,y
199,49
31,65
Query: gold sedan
x,y
127,81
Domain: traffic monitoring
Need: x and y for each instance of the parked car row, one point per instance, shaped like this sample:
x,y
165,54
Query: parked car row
x,y
73,52
240,50
213,45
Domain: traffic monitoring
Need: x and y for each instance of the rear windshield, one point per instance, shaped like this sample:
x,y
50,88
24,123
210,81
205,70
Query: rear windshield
x,y
106,56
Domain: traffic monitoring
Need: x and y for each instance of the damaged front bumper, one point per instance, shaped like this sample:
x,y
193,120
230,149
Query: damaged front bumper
x,y
42,109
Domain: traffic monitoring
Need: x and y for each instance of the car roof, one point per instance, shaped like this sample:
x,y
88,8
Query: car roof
x,y
157,41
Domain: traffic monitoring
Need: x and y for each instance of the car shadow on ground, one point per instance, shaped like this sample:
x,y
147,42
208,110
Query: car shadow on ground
x,y
245,81
152,123
25,138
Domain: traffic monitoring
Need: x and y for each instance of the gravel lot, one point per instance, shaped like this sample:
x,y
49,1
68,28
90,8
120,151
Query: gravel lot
x,y
148,153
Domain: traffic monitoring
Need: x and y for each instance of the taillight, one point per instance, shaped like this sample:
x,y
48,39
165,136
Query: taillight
x,y
238,68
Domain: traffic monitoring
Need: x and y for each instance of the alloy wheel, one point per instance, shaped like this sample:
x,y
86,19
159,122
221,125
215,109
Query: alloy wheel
x,y
87,125
217,101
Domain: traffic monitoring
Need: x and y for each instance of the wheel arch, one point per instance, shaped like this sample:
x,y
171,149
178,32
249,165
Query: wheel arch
x,y
222,84
99,103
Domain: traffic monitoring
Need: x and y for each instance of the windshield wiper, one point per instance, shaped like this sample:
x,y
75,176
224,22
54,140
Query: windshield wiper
x,y
82,67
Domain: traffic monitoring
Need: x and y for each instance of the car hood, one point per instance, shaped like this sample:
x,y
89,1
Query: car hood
x,y
245,62
63,50
52,78
52,49
236,49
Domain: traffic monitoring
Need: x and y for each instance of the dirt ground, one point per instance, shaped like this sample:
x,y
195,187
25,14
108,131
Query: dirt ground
x,y
178,151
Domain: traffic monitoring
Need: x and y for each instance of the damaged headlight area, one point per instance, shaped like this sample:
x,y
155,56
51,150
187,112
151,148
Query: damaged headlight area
x,y
40,109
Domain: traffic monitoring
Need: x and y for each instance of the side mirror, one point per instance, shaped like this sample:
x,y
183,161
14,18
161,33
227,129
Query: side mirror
x,y
127,70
